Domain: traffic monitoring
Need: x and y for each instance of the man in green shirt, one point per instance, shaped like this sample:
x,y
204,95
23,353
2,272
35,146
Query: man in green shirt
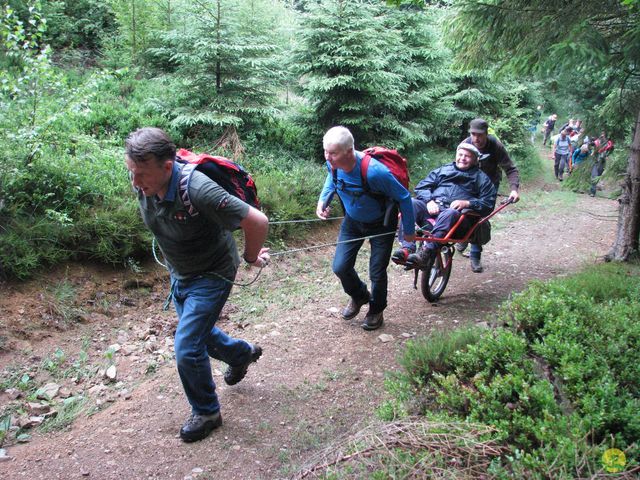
x,y
202,259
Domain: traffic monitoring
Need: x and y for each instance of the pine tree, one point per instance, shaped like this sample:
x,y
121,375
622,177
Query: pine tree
x,y
380,71
344,58
424,64
224,70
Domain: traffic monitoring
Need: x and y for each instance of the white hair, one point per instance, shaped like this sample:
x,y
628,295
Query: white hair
x,y
340,136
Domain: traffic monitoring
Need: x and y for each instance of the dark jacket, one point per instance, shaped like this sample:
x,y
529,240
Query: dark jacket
x,y
448,183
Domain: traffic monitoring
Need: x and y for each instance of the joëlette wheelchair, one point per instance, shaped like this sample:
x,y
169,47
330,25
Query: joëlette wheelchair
x,y
434,275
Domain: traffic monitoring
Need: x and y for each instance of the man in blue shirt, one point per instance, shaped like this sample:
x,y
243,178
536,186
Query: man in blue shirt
x,y
364,218
202,259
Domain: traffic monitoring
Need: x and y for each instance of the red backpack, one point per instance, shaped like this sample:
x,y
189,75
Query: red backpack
x,y
391,159
396,164
229,175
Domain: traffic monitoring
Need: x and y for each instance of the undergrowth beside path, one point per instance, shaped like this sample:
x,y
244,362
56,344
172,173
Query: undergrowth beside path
x,y
556,377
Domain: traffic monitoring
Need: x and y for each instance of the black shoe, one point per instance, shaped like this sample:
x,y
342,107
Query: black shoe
x,y
373,321
198,427
353,307
421,259
476,265
234,374
400,256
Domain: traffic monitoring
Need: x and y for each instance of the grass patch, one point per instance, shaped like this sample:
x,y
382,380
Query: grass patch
x,y
68,410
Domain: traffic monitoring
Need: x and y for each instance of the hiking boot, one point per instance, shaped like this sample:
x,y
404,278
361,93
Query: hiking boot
x,y
400,255
353,307
476,265
461,247
421,258
373,321
198,427
234,374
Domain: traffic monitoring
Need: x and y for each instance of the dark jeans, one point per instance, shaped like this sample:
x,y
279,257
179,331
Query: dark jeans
x,y
198,302
444,221
547,134
345,259
559,164
596,173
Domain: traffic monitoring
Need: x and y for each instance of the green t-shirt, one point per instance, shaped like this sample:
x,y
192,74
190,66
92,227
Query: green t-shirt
x,y
195,245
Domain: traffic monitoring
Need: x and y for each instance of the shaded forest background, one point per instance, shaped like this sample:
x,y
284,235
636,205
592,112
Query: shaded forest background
x,y
258,81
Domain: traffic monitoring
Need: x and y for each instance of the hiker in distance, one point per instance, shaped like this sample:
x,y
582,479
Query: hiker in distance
x,y
441,198
493,160
202,259
366,203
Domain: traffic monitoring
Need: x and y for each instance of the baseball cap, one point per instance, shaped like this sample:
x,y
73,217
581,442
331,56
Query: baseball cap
x,y
478,125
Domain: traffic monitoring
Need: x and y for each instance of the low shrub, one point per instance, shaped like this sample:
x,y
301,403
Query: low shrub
x,y
558,384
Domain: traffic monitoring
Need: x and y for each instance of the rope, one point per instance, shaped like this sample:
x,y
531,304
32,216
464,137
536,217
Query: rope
x,y
275,254
282,222
167,301
314,247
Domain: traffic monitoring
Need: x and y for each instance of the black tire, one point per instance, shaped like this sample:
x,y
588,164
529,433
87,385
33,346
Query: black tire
x,y
435,276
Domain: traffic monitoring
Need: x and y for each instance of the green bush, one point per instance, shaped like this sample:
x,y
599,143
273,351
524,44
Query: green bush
x,y
615,169
558,384
435,354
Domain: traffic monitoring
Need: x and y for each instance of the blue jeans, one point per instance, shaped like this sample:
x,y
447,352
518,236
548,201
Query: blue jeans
x,y
198,302
345,259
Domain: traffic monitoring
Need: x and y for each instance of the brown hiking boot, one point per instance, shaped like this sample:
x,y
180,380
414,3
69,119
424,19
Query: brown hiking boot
x,y
198,427
373,321
421,259
353,307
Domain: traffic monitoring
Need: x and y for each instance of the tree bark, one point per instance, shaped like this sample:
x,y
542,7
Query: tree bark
x,y
628,231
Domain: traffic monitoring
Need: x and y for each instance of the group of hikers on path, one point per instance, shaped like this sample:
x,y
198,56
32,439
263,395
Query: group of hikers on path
x,y
572,146
192,218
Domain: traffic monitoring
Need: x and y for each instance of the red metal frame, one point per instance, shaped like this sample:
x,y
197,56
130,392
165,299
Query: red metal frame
x,y
448,237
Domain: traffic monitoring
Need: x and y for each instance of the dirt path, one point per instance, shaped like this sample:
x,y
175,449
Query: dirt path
x,y
320,377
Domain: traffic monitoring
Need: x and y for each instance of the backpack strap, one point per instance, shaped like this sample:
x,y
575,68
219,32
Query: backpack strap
x,y
388,205
364,169
183,187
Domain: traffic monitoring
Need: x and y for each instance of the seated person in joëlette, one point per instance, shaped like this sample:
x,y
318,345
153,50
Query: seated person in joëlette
x,y
443,195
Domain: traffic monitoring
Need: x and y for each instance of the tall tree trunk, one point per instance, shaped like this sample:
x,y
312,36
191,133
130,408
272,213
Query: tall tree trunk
x,y
628,232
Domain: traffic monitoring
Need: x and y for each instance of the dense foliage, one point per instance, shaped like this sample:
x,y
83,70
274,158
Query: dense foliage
x,y
255,80
559,382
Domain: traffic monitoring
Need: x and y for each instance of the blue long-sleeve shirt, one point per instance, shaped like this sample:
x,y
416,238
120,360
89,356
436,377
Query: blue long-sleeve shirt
x,y
578,156
365,208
